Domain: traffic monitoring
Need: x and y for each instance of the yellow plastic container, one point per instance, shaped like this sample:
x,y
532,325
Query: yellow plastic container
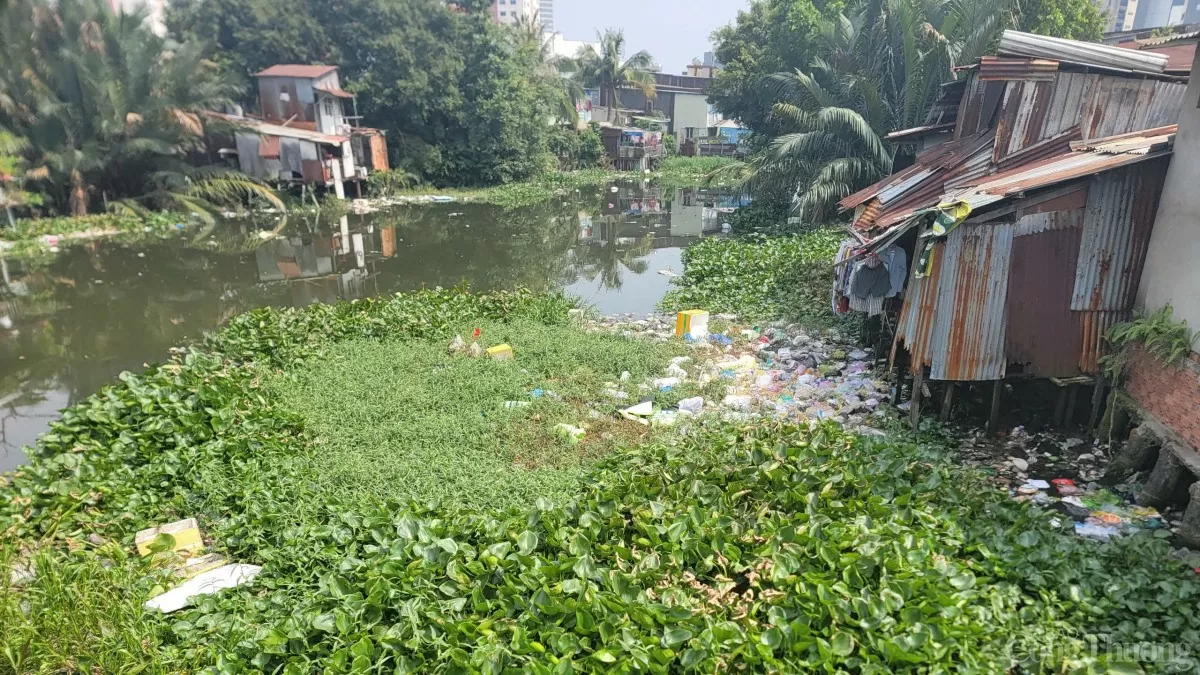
x,y
692,323
500,352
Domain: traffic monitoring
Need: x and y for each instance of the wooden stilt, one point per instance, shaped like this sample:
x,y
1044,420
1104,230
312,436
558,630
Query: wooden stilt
x,y
947,401
994,417
914,413
1060,408
1097,404
1071,398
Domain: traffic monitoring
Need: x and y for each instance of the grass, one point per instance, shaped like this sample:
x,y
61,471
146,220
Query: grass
x,y
80,613
406,420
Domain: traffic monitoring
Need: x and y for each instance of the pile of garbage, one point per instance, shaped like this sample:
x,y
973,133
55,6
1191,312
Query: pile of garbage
x,y
778,371
1099,512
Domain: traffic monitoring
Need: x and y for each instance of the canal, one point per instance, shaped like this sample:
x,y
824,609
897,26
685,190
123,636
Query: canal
x,y
70,323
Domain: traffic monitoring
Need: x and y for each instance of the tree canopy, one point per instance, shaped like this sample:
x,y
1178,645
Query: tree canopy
x,y
463,101
822,82
107,111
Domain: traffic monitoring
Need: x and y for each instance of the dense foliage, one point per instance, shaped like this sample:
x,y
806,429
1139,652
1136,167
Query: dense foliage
x,y
760,277
108,111
464,102
445,428
771,547
822,104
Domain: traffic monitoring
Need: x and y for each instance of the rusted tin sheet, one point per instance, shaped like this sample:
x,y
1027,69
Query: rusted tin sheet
x,y
1008,68
1058,213
868,214
967,340
1120,105
1022,115
1043,334
1094,326
978,107
920,301
1047,147
1117,224
296,70
1072,91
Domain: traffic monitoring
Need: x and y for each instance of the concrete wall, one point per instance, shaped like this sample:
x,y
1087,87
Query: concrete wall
x,y
1172,271
691,110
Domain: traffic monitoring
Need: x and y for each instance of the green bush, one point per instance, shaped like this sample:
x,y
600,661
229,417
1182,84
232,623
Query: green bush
x,y
591,150
392,181
760,278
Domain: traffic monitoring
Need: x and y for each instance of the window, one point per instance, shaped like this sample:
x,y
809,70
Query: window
x,y
503,13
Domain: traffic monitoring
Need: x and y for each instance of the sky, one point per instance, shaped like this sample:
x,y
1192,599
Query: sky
x,y
673,31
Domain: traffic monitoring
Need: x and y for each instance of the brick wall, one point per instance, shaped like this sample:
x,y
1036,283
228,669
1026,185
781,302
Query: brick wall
x,y
1169,393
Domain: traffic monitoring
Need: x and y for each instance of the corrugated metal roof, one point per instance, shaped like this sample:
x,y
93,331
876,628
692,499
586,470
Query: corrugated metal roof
x,y
1180,54
1119,218
1017,43
1165,39
967,340
334,91
1005,68
296,70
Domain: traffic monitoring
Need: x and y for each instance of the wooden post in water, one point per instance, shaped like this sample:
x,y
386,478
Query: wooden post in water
x,y
914,412
947,401
1097,404
994,417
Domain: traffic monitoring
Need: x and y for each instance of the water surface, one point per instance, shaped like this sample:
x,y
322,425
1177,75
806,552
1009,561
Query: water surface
x,y
70,323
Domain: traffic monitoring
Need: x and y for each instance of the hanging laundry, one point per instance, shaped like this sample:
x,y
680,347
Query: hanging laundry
x,y
896,261
871,279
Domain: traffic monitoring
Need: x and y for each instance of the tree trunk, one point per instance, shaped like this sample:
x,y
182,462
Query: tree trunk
x,y
78,202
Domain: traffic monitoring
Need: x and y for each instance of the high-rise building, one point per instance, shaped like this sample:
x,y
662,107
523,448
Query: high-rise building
x,y
512,11
546,13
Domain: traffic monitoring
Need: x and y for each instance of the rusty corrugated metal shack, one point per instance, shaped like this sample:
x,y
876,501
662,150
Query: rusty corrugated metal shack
x,y
1058,152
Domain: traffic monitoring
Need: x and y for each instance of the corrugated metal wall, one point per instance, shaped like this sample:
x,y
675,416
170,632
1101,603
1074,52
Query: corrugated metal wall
x,y
1119,218
1100,105
1043,333
301,101
916,317
967,340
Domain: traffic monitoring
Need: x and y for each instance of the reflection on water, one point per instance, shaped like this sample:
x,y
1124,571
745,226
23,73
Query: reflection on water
x,y
70,324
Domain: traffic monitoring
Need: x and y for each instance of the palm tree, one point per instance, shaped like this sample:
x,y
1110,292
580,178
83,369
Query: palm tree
x,y
558,72
880,71
608,70
108,108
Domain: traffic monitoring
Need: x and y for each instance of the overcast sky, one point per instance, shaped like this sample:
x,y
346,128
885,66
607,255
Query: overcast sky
x,y
673,31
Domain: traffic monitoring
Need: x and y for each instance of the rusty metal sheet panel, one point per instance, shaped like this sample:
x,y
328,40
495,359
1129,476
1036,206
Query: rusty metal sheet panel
x,y
1072,91
1094,326
1007,68
1165,105
1055,214
1117,224
379,154
967,341
1043,334
920,302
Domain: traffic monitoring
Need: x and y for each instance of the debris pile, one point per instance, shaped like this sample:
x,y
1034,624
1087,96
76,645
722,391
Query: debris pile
x,y
745,371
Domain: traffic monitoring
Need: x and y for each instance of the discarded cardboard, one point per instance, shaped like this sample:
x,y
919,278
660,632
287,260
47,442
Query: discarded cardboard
x,y
186,534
